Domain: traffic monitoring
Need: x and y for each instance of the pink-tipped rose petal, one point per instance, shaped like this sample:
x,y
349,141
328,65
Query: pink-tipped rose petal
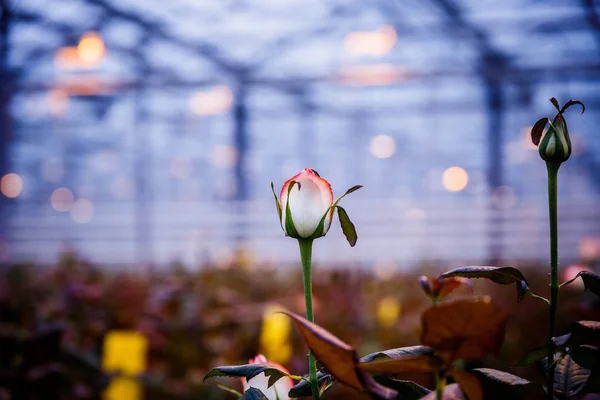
x,y
281,388
309,201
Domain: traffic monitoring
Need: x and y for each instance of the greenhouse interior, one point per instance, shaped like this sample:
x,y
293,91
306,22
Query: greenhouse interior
x,y
142,255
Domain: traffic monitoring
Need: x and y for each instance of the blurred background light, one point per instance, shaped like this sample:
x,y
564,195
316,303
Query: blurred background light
x,y
52,169
223,156
67,58
373,43
106,161
122,188
589,248
85,85
382,146
504,197
455,179
58,102
528,143
143,111
90,49
415,214
384,268
373,74
61,199
11,185
388,311
570,272
181,167
213,101
82,211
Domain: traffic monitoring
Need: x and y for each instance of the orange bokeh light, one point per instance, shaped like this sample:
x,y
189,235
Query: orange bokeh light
x,y
61,199
373,43
373,74
11,185
87,54
455,179
91,48
58,101
213,101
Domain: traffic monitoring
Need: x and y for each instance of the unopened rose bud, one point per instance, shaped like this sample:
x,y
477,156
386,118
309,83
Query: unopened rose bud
x,y
305,206
555,145
305,200
426,285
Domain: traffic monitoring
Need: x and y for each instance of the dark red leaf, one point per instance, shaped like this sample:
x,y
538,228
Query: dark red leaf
x,y
339,358
394,366
468,382
570,103
467,329
537,130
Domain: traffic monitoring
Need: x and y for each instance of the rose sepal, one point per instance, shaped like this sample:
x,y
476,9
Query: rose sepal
x,y
347,226
290,228
277,204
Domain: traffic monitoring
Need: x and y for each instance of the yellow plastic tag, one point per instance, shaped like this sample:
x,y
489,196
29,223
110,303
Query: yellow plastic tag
x,y
124,353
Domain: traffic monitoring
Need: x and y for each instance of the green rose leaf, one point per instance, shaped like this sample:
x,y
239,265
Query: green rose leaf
x,y
395,366
253,394
570,378
302,388
500,385
407,390
347,226
248,371
534,356
593,382
585,332
500,275
351,190
398,353
587,356
590,280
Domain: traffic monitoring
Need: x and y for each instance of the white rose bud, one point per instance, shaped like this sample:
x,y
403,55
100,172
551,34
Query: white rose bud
x,y
306,207
310,200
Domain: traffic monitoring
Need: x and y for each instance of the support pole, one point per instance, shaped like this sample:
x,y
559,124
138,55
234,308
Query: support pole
x,y
7,87
495,145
